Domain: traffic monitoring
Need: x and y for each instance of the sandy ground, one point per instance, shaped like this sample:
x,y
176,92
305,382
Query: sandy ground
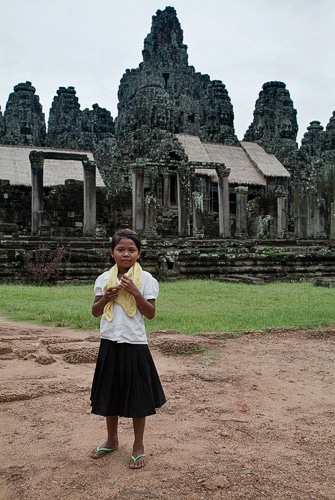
x,y
246,418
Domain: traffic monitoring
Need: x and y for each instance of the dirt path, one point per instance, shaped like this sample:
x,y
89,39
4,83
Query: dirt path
x,y
246,418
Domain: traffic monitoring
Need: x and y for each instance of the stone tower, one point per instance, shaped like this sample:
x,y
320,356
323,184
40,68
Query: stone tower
x,y
71,128
329,140
164,92
103,125
274,126
313,139
318,143
64,120
23,121
2,125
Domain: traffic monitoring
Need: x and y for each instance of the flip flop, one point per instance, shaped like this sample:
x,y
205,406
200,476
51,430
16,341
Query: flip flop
x,y
101,451
134,459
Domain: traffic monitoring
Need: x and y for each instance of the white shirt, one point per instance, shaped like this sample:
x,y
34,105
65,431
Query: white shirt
x,y
122,328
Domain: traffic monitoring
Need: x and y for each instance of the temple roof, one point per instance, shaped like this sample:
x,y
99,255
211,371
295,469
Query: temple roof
x,y
248,162
15,166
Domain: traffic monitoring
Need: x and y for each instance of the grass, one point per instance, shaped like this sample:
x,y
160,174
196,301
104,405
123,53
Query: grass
x,y
189,306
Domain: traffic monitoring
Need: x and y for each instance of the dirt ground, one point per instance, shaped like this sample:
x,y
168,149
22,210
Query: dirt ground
x,y
251,417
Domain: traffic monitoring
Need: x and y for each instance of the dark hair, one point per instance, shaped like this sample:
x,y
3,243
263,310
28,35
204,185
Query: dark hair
x,y
124,233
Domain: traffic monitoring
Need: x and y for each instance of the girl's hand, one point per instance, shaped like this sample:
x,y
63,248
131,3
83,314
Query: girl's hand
x,y
146,307
100,301
111,293
127,284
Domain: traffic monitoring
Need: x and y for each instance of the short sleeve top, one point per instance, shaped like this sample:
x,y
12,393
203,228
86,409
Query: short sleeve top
x,y
123,328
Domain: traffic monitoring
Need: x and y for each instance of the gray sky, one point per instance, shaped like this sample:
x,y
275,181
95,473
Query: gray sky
x,y
89,44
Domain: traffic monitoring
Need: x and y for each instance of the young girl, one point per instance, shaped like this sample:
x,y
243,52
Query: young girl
x,y
125,383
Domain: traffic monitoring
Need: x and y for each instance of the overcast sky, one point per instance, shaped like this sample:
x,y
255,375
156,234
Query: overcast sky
x,y
89,44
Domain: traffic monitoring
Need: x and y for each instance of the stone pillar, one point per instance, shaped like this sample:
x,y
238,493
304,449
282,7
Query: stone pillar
x,y
223,195
241,211
166,190
150,223
281,215
319,221
183,189
197,210
301,212
138,197
318,203
332,221
90,198
36,159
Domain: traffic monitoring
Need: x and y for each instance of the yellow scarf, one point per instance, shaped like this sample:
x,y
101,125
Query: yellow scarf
x,y
124,298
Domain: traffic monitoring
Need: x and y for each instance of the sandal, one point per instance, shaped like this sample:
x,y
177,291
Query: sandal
x,y
101,451
134,459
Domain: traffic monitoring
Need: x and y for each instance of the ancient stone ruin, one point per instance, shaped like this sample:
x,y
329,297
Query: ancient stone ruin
x,y
170,161
23,122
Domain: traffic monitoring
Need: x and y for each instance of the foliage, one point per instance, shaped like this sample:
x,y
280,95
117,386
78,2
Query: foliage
x,y
43,265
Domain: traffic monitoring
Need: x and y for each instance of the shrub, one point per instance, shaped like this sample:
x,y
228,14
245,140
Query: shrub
x,y
43,265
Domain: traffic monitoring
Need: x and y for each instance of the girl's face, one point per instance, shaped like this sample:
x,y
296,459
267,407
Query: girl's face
x,y
125,254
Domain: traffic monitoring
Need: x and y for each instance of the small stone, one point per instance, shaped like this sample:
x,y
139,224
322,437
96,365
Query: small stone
x,y
217,482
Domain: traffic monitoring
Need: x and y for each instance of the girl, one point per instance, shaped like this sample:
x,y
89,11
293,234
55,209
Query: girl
x,y
125,380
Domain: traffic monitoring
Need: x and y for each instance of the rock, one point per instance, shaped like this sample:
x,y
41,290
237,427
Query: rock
x,y
217,482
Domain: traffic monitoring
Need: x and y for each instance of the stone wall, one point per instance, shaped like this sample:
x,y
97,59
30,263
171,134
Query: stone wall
x,y
248,261
63,205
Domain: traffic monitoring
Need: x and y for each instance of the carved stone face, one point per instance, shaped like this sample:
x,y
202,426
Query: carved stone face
x,y
286,129
258,128
158,117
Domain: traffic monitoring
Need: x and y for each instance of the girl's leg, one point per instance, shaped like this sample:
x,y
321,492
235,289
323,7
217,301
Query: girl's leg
x,y
112,443
137,462
112,436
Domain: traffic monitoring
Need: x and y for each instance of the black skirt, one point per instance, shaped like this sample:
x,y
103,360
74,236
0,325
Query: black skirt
x,y
125,382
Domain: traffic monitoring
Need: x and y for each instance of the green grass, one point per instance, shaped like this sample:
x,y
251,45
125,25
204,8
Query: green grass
x,y
189,306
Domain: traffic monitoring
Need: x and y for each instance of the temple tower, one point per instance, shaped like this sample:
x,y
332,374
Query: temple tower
x,y
171,94
274,126
23,121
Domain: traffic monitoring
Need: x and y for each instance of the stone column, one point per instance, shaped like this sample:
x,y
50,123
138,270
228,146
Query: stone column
x,y
183,189
150,223
301,212
318,207
332,221
90,198
197,210
138,197
166,190
319,221
281,215
223,195
241,211
36,159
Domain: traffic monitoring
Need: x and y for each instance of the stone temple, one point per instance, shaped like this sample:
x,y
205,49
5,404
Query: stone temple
x,y
170,163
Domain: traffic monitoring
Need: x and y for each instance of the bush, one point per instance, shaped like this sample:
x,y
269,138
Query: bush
x,y
43,265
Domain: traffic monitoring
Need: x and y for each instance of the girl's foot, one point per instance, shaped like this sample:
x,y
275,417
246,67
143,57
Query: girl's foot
x,y
138,462
102,450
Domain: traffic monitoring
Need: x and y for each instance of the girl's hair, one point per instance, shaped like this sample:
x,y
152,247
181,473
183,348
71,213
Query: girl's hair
x,y
124,233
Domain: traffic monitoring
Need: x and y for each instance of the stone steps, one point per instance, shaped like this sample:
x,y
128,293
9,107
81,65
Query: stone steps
x,y
224,260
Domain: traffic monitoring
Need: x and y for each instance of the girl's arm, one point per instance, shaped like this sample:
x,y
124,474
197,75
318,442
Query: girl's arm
x,y
146,307
98,305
